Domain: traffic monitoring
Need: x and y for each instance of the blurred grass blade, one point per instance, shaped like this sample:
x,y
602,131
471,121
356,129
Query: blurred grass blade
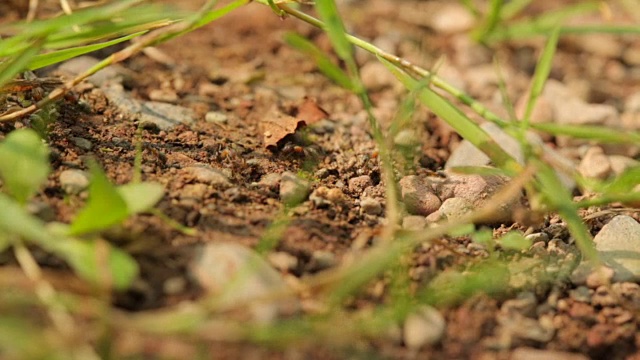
x,y
55,57
491,21
590,132
25,164
14,65
104,208
335,28
324,63
513,8
558,197
543,68
456,119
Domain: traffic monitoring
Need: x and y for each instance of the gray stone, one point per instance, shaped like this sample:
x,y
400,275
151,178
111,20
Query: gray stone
x,y
293,189
239,278
165,116
618,244
370,206
455,208
426,326
206,175
418,195
82,143
74,181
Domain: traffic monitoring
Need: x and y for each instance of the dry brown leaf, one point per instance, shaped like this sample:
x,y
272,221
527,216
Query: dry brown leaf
x,y
278,125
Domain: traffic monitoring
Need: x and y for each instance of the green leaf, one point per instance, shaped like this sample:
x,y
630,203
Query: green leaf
x,y
25,164
324,63
335,28
140,197
95,262
105,206
55,57
543,69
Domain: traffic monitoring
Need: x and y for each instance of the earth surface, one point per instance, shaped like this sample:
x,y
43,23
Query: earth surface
x,y
236,76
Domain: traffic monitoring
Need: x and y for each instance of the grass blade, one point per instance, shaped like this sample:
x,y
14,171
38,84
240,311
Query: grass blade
x,y
335,28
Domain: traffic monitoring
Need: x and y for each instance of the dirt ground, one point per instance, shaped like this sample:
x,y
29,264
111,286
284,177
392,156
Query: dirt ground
x,y
231,74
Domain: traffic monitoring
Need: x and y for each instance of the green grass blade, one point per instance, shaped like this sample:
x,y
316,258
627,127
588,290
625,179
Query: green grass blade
x,y
55,57
558,197
10,67
456,119
540,76
324,63
590,132
513,8
335,28
491,21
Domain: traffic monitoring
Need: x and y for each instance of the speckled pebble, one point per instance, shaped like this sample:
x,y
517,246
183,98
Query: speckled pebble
x,y
74,181
455,208
359,183
418,195
206,175
370,206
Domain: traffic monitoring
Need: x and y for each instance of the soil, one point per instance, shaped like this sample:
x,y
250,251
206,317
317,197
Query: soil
x,y
239,66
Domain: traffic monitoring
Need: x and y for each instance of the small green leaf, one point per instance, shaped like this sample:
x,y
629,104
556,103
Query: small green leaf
x,y
92,262
105,206
140,197
25,163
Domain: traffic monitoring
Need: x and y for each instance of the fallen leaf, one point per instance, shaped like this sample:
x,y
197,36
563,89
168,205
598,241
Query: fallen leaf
x,y
278,124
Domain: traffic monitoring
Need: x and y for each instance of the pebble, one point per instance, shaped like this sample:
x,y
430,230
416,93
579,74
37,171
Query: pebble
x,y
359,183
235,275
370,206
194,192
455,208
406,138
477,190
270,180
74,181
418,196
620,163
207,175
293,189
570,109
165,116
451,18
282,261
426,326
466,154
618,243
527,353
595,164
324,196
600,277
376,76
321,260
82,143
163,95
217,117
414,222
537,237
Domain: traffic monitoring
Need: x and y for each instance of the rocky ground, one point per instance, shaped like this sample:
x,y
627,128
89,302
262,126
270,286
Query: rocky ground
x,y
205,102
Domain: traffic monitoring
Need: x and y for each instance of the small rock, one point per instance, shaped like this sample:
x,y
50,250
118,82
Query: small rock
x,y
239,277
165,116
293,189
527,353
414,222
620,163
370,206
163,95
321,260
617,243
406,138
426,326
80,64
376,76
82,143
468,155
595,164
603,296
324,126
216,117
418,196
270,180
206,175
195,192
455,208
359,183
604,45
325,197
283,261
74,181
537,237
600,277
571,110
452,18
174,285
542,110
